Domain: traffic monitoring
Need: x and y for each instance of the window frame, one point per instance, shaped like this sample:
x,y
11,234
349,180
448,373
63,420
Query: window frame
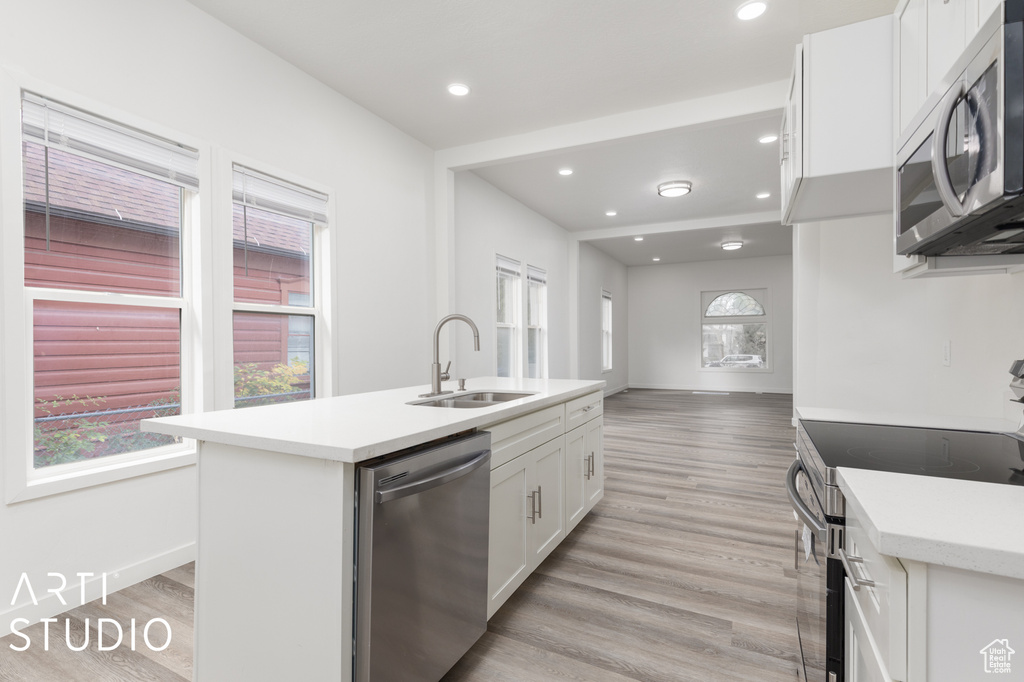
x,y
761,294
607,331
223,279
22,480
536,276
517,352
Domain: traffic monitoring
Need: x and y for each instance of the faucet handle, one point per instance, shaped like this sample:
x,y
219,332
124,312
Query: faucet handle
x,y
445,376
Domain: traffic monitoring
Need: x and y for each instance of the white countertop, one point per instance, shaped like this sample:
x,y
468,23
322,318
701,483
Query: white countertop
x,y
928,421
353,428
963,524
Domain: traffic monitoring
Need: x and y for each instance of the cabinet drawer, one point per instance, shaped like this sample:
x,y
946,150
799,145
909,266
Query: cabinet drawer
x,y
883,604
516,436
583,409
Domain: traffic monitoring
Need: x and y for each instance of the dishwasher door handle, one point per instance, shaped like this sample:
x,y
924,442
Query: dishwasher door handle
x,y
798,504
438,479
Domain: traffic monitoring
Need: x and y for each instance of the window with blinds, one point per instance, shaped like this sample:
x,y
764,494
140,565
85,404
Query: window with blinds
x,y
606,331
508,288
276,311
536,323
106,210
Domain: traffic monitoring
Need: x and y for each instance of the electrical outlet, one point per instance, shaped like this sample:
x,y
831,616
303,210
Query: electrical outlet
x,y
945,353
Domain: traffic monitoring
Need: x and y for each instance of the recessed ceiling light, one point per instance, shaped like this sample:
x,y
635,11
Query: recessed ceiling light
x,y
655,259
638,239
751,10
611,214
732,246
458,89
565,171
763,195
675,188
768,139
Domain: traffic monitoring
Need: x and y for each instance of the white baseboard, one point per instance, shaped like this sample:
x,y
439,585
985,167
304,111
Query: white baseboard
x,y
48,605
613,391
672,387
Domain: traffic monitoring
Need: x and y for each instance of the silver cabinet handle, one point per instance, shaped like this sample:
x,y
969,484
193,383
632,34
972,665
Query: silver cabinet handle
x,y
586,467
848,561
533,507
940,170
588,408
540,504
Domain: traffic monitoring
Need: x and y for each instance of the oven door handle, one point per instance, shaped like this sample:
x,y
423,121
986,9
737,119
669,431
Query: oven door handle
x,y
940,170
799,507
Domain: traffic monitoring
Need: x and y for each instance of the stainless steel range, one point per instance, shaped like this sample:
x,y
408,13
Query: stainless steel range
x,y
820,557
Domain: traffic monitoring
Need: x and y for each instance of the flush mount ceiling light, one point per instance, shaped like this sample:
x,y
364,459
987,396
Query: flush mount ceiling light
x,y
458,89
732,246
751,10
763,195
675,188
565,171
768,139
638,239
655,259
611,214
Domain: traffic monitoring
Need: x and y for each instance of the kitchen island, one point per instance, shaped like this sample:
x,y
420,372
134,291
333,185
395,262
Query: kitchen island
x,y
274,571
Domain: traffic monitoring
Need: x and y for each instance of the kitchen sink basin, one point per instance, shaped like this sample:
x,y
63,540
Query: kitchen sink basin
x,y
473,399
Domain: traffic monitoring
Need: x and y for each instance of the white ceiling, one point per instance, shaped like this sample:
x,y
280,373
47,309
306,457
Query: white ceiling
x,y
760,239
536,64
725,162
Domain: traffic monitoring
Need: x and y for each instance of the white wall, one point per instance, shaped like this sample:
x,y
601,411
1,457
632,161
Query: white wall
x,y
869,340
598,271
167,62
489,222
665,324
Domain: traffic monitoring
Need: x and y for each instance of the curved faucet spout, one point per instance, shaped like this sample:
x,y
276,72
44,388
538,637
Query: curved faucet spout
x,y
435,369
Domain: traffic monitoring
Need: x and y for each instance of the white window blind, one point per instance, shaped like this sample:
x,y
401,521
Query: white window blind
x,y
536,275
59,126
606,330
256,190
507,266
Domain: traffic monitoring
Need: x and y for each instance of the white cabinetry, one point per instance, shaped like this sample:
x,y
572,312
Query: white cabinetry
x,y
584,470
527,520
547,474
836,138
931,35
876,609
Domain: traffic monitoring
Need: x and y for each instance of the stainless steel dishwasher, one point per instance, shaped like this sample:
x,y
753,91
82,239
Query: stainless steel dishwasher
x,y
421,560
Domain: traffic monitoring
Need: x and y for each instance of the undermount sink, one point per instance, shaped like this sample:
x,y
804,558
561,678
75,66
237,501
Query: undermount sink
x,y
472,399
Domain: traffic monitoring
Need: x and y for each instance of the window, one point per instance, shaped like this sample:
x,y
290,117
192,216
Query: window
x,y
606,331
275,309
735,329
536,323
509,283
106,211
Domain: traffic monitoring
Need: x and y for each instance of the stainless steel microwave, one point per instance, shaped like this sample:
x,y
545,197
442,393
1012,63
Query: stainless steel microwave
x,y
960,175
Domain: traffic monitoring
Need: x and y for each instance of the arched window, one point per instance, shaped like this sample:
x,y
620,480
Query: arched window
x,y
732,304
734,329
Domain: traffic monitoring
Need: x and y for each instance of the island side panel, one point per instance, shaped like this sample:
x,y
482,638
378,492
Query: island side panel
x,y
274,567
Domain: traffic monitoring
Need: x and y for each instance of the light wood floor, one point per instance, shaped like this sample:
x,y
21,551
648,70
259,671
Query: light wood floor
x,y
682,572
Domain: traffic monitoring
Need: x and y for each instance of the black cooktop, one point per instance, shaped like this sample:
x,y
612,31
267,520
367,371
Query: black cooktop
x,y
967,455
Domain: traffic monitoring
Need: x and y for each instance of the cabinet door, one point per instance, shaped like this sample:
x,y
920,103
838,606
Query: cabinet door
x,y
791,136
861,659
508,554
577,466
913,61
947,31
595,452
544,504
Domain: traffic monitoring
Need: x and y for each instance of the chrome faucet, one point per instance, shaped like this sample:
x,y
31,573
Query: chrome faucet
x,y
436,375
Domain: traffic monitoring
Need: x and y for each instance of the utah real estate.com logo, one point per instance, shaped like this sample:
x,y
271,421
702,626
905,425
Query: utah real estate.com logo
x,y
997,656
